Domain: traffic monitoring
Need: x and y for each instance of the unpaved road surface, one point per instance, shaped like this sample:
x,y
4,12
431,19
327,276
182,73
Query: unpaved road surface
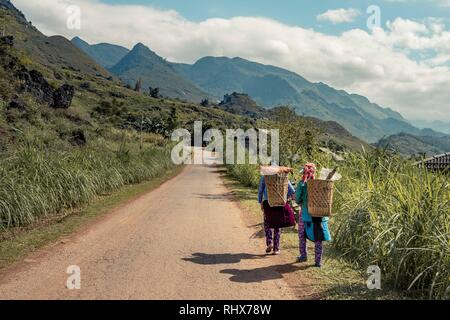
x,y
184,240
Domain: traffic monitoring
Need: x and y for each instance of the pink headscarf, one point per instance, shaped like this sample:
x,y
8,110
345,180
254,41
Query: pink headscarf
x,y
308,172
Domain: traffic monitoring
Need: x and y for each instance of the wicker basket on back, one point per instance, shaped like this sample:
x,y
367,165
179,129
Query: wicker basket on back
x,y
276,180
320,197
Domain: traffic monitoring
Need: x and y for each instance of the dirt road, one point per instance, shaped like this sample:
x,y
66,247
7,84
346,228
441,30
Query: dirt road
x,y
184,240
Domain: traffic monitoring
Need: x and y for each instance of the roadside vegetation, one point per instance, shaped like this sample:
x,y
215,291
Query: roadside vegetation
x,y
99,137
37,181
387,212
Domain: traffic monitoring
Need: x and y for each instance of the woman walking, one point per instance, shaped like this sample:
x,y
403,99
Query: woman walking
x,y
272,238
313,228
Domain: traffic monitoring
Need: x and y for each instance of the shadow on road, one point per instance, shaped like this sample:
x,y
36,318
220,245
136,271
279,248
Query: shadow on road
x,y
221,197
221,258
263,274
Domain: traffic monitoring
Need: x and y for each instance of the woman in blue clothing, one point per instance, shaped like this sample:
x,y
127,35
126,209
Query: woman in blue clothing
x,y
272,239
313,228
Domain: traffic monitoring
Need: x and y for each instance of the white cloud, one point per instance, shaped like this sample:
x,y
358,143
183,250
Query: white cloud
x,y
438,60
339,15
377,65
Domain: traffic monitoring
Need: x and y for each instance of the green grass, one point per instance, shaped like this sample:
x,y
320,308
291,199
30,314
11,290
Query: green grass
x,y
388,213
396,216
37,182
337,279
18,243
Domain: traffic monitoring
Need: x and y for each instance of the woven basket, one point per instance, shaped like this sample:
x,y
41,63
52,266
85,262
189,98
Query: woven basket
x,y
277,189
320,197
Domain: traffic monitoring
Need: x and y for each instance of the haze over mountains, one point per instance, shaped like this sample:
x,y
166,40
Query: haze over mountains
x,y
269,86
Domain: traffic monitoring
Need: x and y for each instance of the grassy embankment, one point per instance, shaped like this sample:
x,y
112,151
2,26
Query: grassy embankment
x,y
47,192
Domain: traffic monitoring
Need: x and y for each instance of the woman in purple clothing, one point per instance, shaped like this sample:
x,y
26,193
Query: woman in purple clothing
x,y
272,238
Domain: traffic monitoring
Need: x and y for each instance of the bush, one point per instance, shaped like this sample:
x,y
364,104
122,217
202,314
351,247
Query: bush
x,y
246,174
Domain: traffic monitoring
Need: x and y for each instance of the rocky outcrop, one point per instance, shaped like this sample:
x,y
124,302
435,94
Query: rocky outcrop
x,y
62,97
242,104
78,138
18,104
7,41
34,82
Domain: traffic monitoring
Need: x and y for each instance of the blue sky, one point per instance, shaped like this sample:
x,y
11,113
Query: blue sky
x,y
298,12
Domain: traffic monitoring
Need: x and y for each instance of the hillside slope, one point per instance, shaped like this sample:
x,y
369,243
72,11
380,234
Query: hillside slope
x,y
36,71
54,52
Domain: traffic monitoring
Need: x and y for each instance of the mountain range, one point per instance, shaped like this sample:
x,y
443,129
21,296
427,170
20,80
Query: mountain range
x,y
269,86
438,125
52,90
408,144
95,69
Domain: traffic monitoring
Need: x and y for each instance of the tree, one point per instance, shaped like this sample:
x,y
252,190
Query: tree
x,y
297,135
154,92
309,143
205,103
172,122
138,85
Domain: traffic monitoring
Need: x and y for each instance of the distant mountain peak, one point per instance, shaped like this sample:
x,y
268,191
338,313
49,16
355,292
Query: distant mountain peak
x,y
141,47
78,40
107,55
154,71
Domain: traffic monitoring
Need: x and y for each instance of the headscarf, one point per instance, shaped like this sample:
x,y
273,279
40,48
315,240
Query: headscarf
x,y
308,172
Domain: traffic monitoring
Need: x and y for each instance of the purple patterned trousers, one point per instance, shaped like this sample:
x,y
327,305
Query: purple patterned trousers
x,y
302,240
272,238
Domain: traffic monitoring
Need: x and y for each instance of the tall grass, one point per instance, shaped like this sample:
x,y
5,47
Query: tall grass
x,y
391,214
37,181
246,174
396,216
